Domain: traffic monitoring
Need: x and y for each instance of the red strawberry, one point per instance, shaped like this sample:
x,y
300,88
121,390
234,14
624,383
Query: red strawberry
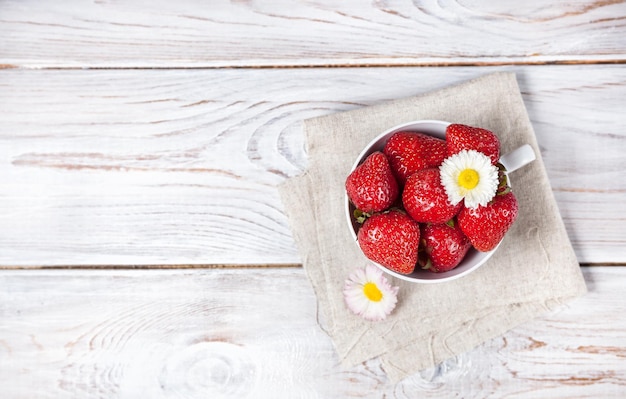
x,y
391,239
463,137
371,186
425,199
485,226
409,152
444,246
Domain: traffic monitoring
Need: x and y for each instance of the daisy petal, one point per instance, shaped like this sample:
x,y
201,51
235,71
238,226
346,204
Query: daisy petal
x,y
469,176
367,293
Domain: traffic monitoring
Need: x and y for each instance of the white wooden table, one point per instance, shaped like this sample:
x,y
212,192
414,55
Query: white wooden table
x,y
144,251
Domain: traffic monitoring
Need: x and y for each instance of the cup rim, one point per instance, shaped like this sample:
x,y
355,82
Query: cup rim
x,y
478,258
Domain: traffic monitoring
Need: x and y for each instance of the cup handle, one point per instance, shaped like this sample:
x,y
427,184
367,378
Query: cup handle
x,y
517,158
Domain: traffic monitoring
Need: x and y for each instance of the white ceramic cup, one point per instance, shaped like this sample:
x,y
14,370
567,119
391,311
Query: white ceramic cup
x,y
474,259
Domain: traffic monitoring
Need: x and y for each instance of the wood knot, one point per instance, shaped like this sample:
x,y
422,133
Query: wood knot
x,y
212,369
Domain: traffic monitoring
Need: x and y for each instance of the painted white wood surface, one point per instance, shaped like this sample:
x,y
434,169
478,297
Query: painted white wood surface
x,y
252,333
141,167
188,33
157,158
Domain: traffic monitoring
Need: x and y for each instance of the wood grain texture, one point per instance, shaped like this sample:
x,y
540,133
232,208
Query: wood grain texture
x,y
188,33
181,167
253,334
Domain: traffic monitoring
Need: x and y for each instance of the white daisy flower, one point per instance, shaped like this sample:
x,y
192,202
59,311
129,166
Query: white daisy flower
x,y
469,175
368,293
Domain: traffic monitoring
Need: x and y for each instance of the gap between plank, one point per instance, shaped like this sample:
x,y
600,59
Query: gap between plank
x,y
210,266
154,266
328,65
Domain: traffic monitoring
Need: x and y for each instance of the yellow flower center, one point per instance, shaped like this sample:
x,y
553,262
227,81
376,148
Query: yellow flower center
x,y
372,292
468,179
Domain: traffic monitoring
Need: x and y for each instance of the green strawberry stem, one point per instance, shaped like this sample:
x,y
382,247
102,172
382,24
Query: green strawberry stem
x,y
360,216
503,185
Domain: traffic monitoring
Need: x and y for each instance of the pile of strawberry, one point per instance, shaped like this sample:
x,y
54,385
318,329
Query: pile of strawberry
x,y
407,219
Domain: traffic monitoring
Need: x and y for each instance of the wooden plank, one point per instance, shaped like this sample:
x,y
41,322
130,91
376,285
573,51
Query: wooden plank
x,y
181,167
79,34
253,333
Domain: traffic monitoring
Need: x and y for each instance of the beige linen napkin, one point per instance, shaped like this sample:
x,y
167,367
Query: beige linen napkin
x,y
533,271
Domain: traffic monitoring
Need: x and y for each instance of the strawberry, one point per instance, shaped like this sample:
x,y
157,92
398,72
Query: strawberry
x,y
463,137
485,226
371,186
391,239
409,152
425,199
442,246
